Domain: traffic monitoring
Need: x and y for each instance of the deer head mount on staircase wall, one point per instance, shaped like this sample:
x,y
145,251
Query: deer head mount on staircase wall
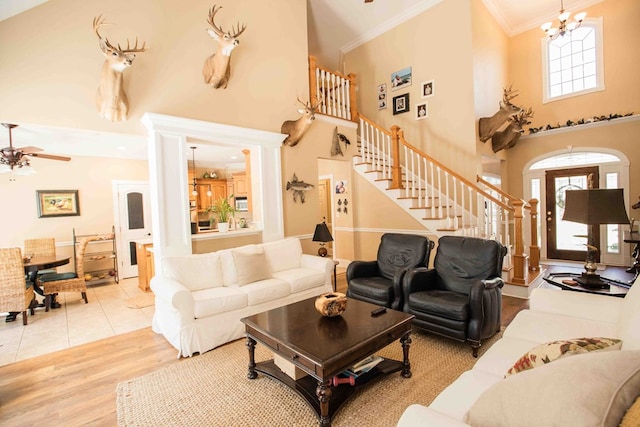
x,y
111,99
296,128
217,68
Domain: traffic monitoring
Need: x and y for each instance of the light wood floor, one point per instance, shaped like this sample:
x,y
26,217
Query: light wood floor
x,y
77,386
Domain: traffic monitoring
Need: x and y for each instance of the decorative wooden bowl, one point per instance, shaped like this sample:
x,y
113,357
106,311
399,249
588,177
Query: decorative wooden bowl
x,y
331,304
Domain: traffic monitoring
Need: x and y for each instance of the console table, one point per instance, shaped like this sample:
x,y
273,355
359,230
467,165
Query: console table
x,y
563,281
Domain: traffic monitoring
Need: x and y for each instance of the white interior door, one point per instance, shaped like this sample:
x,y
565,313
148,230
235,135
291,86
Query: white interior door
x,y
133,222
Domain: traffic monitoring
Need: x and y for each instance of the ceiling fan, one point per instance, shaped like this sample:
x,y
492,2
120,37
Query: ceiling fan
x,y
19,157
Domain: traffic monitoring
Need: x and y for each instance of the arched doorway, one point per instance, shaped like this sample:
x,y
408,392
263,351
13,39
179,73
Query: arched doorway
x,y
546,178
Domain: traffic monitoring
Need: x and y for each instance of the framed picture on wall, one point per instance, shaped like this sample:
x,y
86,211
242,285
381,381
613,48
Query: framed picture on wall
x,y
382,96
422,111
52,203
427,89
401,78
401,104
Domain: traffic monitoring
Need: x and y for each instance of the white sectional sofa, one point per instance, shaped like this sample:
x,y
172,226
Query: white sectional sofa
x,y
595,388
202,297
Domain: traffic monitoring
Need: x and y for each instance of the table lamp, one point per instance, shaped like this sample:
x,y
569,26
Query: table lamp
x,y
594,207
323,236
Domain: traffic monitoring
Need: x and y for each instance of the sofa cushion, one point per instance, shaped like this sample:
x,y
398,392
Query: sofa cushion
x,y
541,327
251,267
228,266
265,290
283,254
629,320
587,390
554,350
208,302
195,271
301,279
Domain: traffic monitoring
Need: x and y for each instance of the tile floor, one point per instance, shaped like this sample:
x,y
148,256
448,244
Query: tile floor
x,y
106,315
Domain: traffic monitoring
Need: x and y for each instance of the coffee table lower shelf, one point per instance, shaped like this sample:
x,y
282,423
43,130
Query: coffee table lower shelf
x,y
306,386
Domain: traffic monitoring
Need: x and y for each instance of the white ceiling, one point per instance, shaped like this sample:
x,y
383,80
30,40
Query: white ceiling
x,y
352,22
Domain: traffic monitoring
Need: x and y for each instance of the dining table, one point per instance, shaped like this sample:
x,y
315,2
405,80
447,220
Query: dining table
x,y
42,262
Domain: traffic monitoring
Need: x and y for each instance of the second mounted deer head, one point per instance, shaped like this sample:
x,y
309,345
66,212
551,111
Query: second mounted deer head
x,y
111,99
217,68
487,126
296,128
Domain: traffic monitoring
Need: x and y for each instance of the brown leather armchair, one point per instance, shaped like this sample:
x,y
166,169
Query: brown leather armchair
x,y
380,281
461,297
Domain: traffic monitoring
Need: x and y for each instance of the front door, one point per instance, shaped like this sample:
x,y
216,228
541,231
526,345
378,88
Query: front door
x,y
134,217
566,240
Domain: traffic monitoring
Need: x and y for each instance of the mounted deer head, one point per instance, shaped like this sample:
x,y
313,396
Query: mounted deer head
x,y
217,68
508,137
489,125
111,100
296,128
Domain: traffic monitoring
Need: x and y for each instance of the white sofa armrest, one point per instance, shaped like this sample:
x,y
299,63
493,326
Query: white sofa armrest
x,y
315,262
175,294
576,304
419,416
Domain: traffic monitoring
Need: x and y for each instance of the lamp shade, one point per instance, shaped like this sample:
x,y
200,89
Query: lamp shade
x,y
322,233
597,206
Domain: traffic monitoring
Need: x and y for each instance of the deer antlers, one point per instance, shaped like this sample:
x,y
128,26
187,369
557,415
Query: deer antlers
x,y
218,29
99,21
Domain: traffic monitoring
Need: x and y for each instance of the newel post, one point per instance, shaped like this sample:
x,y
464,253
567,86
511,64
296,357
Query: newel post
x,y
520,270
313,83
396,175
352,97
534,249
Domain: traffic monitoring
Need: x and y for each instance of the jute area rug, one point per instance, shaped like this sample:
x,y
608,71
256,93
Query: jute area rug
x,y
212,389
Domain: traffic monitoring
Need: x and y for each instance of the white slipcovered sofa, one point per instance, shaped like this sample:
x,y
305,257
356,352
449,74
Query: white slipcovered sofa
x,y
593,388
201,298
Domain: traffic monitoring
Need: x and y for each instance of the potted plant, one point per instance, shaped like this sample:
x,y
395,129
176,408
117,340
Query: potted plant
x,y
225,211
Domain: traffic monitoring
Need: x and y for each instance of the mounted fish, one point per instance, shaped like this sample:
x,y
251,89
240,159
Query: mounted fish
x,y
337,139
298,188
217,68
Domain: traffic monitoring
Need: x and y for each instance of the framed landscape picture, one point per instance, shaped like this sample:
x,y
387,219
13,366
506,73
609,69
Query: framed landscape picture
x,y
53,203
401,104
401,78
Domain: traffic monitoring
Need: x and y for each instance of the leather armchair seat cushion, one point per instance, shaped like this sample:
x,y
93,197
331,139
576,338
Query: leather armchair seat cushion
x,y
446,304
374,288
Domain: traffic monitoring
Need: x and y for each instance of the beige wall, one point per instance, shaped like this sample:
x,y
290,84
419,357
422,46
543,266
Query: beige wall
x,y
52,62
91,176
490,71
621,34
621,95
448,134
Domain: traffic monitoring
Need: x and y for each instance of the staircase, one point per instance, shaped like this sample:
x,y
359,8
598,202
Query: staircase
x,y
442,200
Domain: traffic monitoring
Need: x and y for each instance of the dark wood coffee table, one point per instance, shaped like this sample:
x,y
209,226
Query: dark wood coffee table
x,y
323,347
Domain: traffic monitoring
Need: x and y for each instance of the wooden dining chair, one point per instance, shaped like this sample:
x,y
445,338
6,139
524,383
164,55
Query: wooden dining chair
x,y
41,247
67,282
16,295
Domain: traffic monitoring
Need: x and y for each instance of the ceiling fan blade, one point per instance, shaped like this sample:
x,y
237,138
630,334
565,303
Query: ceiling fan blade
x,y
48,156
27,150
368,1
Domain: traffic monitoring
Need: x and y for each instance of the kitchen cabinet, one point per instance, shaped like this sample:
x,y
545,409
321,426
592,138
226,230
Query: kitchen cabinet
x,y
218,190
240,184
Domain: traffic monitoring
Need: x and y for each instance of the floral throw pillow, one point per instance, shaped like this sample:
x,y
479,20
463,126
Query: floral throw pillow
x,y
554,350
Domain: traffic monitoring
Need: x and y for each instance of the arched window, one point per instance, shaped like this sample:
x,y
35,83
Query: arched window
x,y
573,64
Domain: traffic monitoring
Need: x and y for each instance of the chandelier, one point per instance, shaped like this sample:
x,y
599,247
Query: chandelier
x,y
194,184
564,26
